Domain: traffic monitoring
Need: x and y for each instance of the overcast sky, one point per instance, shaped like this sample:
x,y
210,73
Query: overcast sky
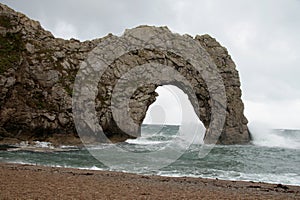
x,y
262,36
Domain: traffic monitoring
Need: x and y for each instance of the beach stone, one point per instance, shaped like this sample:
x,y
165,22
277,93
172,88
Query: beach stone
x,y
38,84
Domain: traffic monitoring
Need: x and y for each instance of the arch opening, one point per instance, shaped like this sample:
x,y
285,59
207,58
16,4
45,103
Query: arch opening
x,y
172,108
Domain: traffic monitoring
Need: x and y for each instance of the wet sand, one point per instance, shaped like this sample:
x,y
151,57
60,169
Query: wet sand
x,y
37,182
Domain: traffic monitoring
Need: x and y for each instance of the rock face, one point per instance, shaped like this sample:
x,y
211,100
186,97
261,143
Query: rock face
x,y
37,74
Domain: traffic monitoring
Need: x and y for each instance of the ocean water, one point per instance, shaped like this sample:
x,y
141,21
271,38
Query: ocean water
x,y
273,156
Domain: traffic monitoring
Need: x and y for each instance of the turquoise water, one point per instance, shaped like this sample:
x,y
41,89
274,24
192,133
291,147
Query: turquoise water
x,y
273,157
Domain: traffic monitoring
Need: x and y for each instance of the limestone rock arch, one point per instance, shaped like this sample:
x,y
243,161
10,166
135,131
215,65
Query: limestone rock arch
x,y
36,84
235,129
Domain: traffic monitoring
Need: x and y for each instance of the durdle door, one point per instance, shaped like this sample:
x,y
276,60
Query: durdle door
x,y
38,71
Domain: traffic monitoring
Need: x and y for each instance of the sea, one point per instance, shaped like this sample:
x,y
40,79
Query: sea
x,y
273,156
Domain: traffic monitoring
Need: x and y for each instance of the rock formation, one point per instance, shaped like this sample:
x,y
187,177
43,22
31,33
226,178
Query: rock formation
x,y
37,74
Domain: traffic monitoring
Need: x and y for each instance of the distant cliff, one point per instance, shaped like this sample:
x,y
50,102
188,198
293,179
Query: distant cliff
x,y
37,74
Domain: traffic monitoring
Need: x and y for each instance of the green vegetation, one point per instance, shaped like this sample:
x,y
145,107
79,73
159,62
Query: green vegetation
x,y
11,47
5,22
69,90
68,81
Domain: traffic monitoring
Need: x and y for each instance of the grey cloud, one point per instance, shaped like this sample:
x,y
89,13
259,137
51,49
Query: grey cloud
x,y
96,18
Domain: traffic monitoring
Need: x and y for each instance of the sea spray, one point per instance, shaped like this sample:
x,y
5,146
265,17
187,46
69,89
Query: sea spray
x,y
280,138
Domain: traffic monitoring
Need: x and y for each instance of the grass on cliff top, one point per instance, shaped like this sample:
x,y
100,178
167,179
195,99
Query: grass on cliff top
x,y
11,47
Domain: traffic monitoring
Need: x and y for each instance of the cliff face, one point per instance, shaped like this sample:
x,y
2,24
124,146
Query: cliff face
x,y
37,74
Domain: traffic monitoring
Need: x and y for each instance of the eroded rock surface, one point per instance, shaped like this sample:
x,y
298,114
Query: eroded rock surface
x,y
37,74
